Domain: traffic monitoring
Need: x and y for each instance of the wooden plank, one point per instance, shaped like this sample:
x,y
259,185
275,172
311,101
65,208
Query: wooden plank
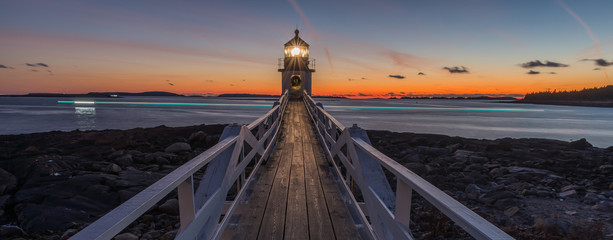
x,y
296,221
252,213
320,225
273,221
344,227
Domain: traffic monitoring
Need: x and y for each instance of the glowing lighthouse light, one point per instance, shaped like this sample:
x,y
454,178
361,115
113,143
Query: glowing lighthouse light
x,y
295,51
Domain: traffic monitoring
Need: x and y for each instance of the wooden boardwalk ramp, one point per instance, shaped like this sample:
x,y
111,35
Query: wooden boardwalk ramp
x,y
294,195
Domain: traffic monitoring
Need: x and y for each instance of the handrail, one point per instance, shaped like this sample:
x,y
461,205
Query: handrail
x,y
356,163
201,211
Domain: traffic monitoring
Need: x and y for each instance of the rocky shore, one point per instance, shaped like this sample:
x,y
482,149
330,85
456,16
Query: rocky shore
x,y
530,188
54,184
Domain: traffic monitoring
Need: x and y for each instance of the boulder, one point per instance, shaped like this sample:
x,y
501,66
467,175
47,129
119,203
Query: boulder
x,y
178,147
112,168
126,236
608,168
196,138
124,160
416,167
7,181
580,144
171,206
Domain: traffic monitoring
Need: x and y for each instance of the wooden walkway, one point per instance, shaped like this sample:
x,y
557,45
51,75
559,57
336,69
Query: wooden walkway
x,y
294,195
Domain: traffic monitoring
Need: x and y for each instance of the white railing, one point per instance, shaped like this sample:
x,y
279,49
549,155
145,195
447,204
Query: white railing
x,y
359,167
202,213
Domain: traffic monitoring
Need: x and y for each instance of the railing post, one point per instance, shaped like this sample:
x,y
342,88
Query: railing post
x,y
185,192
403,203
371,169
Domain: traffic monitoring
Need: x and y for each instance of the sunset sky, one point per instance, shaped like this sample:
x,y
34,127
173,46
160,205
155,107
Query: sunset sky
x,y
211,47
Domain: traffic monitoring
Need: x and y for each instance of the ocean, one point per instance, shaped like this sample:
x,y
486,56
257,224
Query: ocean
x,y
465,118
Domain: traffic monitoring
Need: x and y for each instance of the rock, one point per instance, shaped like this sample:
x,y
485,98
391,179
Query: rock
x,y
473,191
126,236
197,137
178,147
124,160
7,181
31,149
567,193
9,231
68,233
416,167
477,159
592,198
453,147
566,188
462,155
580,144
604,206
116,154
511,211
606,169
550,225
112,168
169,235
171,206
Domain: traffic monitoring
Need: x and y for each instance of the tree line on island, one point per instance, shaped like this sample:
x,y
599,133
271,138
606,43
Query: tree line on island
x,y
587,94
596,97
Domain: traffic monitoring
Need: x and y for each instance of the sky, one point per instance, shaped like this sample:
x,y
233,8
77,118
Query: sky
x,y
362,47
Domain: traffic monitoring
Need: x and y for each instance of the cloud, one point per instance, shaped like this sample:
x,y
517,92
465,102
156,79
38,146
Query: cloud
x,y
397,76
350,79
600,62
405,60
552,73
456,69
169,83
4,66
364,95
37,65
532,72
537,63
421,73
363,78
33,70
596,69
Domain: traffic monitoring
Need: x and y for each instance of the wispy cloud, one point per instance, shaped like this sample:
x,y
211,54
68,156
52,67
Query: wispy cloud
x,y
405,60
532,72
588,29
460,69
37,65
538,63
310,27
396,76
421,73
7,67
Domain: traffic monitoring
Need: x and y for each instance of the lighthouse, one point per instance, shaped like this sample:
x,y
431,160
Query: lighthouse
x,y
296,67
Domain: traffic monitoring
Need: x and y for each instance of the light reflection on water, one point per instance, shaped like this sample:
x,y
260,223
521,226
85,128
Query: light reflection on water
x,y
86,117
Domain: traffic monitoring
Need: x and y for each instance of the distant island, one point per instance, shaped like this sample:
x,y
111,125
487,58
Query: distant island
x,y
458,98
101,94
593,97
247,95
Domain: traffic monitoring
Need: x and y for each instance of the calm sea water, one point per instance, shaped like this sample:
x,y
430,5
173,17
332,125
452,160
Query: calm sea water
x,y
27,115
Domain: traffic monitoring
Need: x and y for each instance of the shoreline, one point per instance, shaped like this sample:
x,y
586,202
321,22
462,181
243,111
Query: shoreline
x,y
517,184
603,104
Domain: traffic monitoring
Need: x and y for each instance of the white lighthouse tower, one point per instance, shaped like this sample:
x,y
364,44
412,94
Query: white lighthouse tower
x,y
296,67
